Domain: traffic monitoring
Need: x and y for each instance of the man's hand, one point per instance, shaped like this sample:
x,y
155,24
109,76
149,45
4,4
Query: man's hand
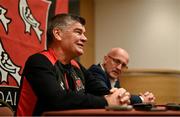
x,y
147,97
118,97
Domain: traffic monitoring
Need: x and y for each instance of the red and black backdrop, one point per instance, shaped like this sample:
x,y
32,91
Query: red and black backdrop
x,y
23,25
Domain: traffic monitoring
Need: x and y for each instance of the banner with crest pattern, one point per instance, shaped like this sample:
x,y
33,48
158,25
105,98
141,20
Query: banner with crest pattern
x,y
23,25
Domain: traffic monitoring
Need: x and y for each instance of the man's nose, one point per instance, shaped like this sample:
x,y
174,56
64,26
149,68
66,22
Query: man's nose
x,y
119,66
84,38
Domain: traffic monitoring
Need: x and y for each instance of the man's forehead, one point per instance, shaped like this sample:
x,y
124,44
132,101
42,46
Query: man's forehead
x,y
76,25
122,55
120,52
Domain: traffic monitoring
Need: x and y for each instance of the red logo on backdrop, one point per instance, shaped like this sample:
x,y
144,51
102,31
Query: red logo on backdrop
x,y
22,33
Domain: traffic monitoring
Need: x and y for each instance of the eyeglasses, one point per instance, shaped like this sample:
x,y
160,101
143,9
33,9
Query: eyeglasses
x,y
118,62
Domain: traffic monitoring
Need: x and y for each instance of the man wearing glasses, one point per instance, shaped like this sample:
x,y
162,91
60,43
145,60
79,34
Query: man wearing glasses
x,y
110,70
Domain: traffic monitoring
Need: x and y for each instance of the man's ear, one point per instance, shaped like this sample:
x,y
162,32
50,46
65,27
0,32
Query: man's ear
x,y
57,33
105,59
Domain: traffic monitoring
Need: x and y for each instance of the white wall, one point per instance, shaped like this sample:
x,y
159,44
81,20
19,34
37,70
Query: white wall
x,y
148,29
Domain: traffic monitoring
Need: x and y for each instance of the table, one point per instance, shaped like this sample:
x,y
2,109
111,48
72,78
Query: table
x,y
104,112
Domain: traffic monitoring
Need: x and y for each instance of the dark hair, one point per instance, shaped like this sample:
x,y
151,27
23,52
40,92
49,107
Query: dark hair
x,y
61,21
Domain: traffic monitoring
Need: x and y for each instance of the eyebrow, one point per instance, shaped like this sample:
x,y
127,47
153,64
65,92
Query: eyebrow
x,y
117,59
79,29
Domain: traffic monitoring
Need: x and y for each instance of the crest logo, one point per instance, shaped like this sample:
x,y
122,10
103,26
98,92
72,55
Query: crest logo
x,y
4,20
28,19
8,67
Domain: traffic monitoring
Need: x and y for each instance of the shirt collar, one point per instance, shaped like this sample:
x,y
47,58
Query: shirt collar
x,y
111,81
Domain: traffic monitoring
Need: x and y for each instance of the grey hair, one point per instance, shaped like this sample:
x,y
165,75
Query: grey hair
x,y
61,21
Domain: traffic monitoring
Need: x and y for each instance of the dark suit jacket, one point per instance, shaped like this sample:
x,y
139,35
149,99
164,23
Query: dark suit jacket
x,y
101,75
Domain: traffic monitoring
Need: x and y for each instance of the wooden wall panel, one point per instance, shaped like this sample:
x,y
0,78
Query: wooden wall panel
x,y
164,85
87,11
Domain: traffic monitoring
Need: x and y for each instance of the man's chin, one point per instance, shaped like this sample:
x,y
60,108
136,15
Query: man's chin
x,y
79,53
113,76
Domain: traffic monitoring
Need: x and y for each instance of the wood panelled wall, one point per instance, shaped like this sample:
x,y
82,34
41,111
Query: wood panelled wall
x,y
87,11
164,84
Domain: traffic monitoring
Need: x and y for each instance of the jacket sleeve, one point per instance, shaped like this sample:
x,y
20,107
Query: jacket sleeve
x,y
135,99
95,85
43,80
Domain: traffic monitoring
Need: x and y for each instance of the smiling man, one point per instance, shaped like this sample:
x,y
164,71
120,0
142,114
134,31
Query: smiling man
x,y
54,80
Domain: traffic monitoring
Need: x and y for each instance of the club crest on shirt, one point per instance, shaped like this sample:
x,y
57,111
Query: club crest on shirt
x,y
79,84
